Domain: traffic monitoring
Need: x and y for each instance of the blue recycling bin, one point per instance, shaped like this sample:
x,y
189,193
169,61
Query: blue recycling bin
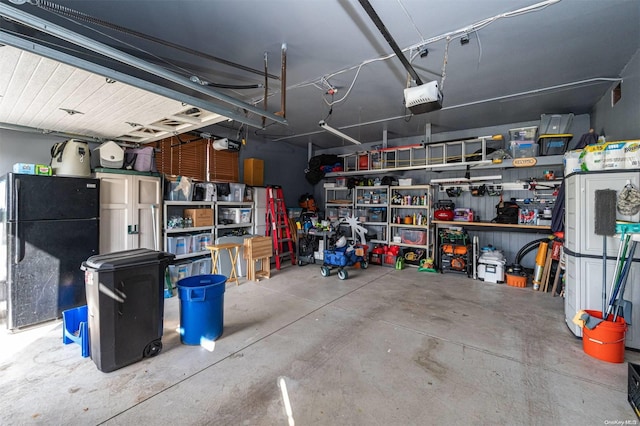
x,y
201,308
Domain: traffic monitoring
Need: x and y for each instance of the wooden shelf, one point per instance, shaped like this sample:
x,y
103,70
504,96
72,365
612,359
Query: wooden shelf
x,y
541,161
491,225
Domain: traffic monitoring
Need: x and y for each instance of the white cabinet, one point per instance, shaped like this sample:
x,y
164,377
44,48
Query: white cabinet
x,y
580,213
410,217
371,210
129,211
583,248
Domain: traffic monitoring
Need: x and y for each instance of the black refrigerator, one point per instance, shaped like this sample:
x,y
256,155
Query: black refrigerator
x,y
49,227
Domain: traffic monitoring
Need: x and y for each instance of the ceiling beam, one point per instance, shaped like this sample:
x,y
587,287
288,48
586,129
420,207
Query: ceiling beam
x,y
87,43
387,36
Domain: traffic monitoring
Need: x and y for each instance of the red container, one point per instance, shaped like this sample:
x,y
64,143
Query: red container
x,y
444,214
606,340
363,162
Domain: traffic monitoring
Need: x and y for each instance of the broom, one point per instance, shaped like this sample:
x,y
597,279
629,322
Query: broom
x,y
605,225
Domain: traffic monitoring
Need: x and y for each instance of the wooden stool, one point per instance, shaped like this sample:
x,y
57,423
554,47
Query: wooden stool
x,y
233,249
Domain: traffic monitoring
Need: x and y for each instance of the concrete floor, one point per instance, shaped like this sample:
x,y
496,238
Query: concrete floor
x,y
383,347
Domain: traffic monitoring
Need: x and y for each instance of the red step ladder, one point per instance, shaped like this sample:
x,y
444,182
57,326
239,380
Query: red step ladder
x,y
278,225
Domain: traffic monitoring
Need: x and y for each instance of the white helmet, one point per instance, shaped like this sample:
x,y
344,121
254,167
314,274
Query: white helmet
x,y
342,241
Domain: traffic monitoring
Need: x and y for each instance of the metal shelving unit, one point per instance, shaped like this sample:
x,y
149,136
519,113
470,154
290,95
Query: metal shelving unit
x,y
372,211
338,202
176,209
222,229
410,223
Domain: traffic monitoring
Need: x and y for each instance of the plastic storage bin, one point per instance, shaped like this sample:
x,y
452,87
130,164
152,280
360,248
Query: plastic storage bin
x,y
227,215
200,267
524,149
412,236
179,245
201,308
125,302
199,242
553,124
553,144
236,193
180,270
523,134
243,215
176,194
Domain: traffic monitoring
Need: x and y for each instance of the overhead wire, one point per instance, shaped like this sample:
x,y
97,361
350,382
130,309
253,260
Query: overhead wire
x,y
415,27
444,64
479,49
446,36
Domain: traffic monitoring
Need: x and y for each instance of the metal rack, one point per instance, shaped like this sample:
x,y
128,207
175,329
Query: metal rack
x,y
418,203
416,157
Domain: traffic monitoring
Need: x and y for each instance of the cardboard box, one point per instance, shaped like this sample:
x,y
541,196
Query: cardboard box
x,y
463,215
24,168
43,170
200,217
528,216
253,172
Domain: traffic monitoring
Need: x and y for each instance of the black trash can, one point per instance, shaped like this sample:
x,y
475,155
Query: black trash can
x,y
125,302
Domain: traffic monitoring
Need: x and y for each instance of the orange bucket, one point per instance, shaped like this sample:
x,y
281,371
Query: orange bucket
x,y
606,340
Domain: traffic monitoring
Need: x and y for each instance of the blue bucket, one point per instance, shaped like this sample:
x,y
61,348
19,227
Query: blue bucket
x,y
201,308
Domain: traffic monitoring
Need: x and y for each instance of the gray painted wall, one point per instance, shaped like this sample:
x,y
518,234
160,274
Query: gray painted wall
x,y
622,121
21,147
484,207
284,163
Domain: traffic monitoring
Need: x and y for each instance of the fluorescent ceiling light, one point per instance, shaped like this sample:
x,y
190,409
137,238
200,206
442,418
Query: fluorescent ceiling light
x,y
336,132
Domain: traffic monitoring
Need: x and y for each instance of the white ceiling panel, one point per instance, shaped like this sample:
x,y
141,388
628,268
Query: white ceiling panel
x,y
36,91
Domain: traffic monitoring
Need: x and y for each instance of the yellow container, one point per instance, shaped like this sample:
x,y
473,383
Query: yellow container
x,y
254,172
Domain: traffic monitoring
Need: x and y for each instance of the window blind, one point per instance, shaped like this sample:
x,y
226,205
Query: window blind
x,y
195,158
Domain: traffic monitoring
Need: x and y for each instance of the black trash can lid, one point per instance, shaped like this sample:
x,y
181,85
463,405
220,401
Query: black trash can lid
x,y
125,259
